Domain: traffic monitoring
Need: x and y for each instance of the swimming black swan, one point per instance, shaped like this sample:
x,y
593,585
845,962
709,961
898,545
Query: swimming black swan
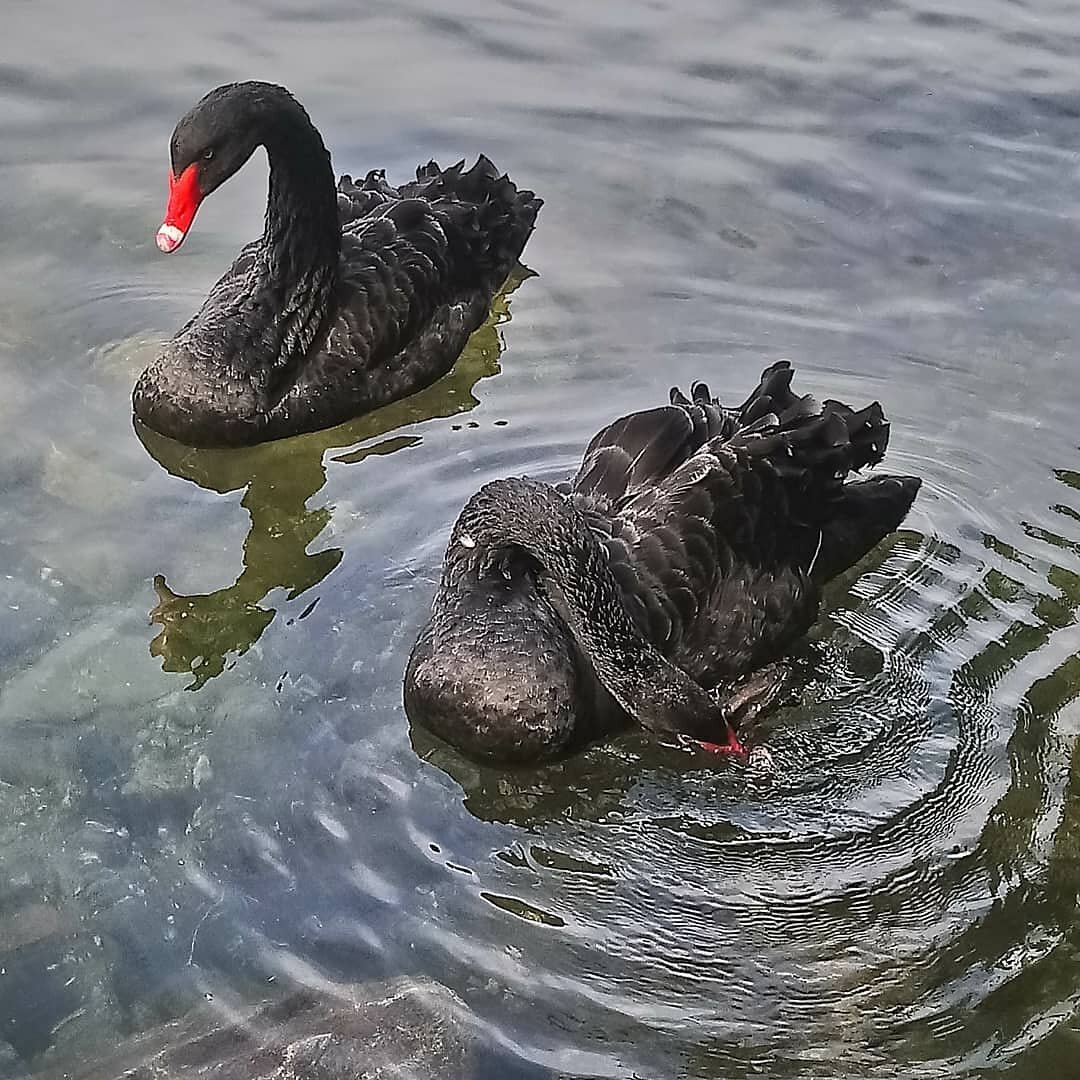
x,y
355,296
687,553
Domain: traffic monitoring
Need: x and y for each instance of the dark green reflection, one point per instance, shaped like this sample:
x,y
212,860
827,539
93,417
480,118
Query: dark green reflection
x,y
1037,888
591,785
203,633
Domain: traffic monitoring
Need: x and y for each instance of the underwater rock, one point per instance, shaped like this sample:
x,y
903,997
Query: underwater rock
x,y
363,1032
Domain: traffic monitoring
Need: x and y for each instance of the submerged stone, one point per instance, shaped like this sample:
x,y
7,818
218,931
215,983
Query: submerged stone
x,y
362,1032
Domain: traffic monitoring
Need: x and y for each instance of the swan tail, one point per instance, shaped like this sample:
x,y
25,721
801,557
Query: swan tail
x,y
798,456
812,446
486,216
860,517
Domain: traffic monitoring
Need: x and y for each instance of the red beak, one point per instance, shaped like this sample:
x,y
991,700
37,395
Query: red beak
x,y
731,745
184,199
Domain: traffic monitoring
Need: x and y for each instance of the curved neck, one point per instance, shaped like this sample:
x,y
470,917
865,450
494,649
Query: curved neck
x,y
579,582
300,250
647,686
302,228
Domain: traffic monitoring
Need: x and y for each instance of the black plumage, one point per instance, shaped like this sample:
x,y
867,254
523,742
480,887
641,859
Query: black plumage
x,y
688,551
355,295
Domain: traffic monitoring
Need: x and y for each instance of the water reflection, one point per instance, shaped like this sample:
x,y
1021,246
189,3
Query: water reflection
x,y
589,786
204,633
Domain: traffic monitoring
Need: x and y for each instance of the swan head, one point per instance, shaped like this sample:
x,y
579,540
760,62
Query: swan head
x,y
495,671
212,141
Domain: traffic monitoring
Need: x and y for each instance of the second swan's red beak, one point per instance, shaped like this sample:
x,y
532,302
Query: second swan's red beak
x,y
731,745
184,198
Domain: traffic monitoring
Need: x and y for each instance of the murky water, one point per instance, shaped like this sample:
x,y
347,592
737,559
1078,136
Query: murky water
x,y
208,787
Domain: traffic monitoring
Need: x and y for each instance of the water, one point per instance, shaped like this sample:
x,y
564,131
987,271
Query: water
x,y
209,792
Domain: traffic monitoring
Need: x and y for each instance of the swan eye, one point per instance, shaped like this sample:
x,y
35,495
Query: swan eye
x,y
208,155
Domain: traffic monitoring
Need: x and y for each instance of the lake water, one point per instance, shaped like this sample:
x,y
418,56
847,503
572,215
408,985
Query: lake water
x,y
209,791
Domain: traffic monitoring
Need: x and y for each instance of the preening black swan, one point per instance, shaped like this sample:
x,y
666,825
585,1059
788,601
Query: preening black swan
x,y
354,296
687,553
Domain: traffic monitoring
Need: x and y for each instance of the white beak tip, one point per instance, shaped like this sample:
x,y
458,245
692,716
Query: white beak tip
x,y
169,238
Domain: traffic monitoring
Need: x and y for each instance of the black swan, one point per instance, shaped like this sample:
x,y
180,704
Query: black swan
x,y
658,585
356,294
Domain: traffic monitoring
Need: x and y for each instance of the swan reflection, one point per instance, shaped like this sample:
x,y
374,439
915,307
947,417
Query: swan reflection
x,y
202,634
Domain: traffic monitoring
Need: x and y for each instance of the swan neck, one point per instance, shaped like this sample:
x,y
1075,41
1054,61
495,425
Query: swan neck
x,y
647,686
302,230
579,583
297,268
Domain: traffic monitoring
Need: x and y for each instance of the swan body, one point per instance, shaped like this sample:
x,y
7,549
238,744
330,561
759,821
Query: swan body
x,y
686,554
357,294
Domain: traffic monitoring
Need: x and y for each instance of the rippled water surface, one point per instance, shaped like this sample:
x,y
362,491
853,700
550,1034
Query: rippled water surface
x,y
208,788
